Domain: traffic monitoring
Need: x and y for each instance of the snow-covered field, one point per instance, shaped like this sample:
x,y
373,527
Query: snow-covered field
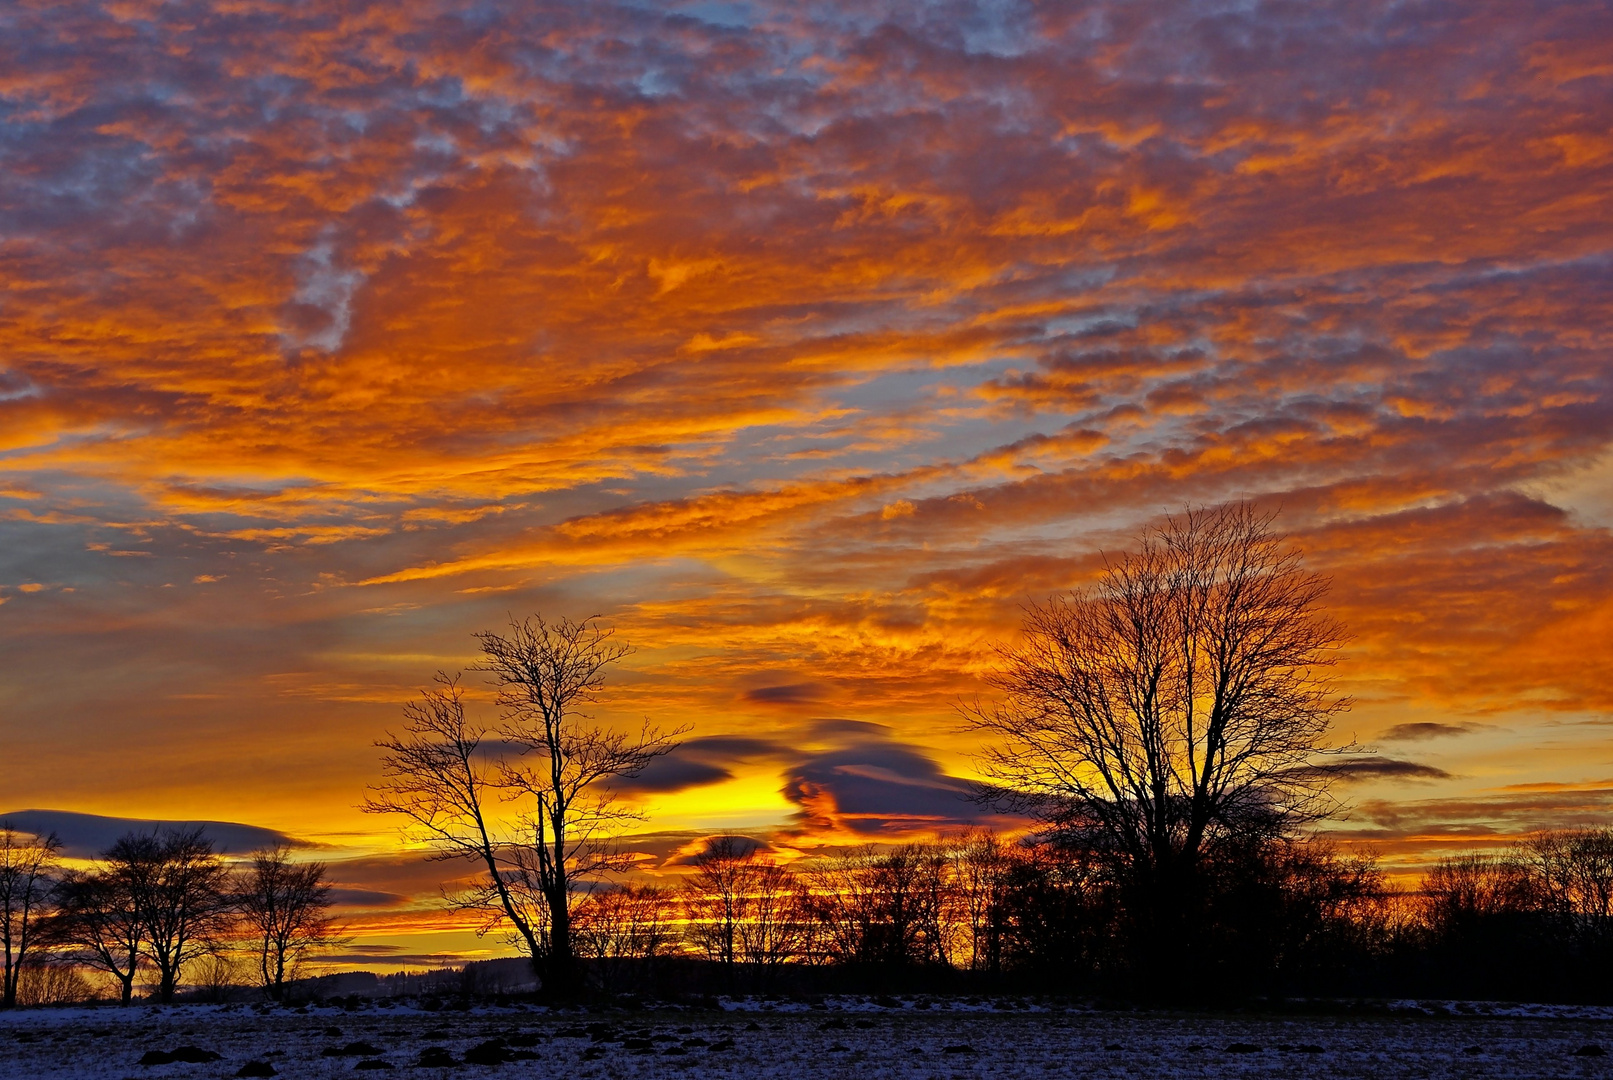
x,y
848,1037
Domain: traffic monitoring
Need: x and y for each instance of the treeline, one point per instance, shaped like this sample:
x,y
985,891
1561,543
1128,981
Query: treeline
x,y
1283,917
159,907
1534,921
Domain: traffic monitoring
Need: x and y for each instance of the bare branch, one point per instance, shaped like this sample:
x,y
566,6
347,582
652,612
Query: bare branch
x,y
558,834
1181,702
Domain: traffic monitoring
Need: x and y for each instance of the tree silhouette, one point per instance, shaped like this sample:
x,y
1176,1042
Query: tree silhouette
x,y
180,891
623,929
285,906
1177,705
557,771
717,897
27,863
437,775
99,923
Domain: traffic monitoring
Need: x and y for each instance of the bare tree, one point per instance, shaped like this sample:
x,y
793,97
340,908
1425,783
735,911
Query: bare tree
x,y
741,906
1574,868
887,908
982,869
180,890
1461,891
546,674
627,921
1179,703
27,866
843,904
98,919
286,908
52,982
437,775
934,892
773,928
220,976
558,775
623,927
717,897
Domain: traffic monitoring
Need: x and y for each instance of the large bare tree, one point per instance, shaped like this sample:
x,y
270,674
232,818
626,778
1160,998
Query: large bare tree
x,y
27,866
437,775
99,921
1177,705
285,906
180,889
556,772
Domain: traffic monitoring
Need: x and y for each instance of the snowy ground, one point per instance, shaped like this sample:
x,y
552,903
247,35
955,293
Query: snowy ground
x,y
848,1038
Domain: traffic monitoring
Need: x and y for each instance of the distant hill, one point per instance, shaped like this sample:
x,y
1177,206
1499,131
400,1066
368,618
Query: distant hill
x,y
510,975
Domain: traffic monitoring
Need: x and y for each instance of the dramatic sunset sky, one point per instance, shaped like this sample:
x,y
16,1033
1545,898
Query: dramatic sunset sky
x,y
803,342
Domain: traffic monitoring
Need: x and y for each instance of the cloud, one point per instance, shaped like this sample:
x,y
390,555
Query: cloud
x,y
873,785
1427,729
842,774
85,836
391,956
1493,817
671,773
1356,770
786,694
696,762
366,898
376,881
730,747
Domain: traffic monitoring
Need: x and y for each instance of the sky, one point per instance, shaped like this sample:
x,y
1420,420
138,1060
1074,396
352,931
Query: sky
x,y
803,343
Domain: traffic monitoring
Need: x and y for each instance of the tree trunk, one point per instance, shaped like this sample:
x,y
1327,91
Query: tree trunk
x,y
277,980
561,981
165,987
8,986
1166,939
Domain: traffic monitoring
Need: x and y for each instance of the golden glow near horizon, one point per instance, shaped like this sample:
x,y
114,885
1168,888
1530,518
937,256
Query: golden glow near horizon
x,y
803,343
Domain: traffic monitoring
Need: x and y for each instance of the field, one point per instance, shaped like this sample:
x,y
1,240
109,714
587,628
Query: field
x,y
838,1038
